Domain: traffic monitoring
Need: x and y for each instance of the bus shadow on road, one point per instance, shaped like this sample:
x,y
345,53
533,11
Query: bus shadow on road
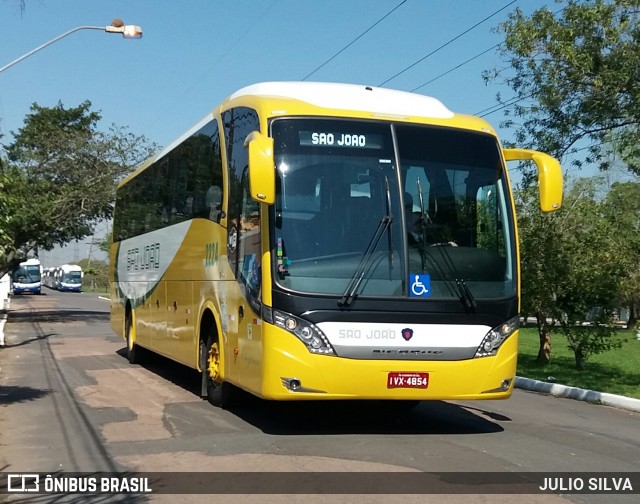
x,y
334,417
361,417
174,372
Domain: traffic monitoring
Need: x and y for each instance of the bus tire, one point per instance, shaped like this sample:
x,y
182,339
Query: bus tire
x,y
133,351
217,392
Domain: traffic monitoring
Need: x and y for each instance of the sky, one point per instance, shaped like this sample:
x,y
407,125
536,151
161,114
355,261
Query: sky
x,y
194,54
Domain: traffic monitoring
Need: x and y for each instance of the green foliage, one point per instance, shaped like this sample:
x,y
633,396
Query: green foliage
x,y
622,210
572,264
540,262
575,76
60,178
96,275
105,244
589,340
5,208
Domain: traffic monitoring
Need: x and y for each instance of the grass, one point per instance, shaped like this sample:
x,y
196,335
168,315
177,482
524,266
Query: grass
x,y
616,371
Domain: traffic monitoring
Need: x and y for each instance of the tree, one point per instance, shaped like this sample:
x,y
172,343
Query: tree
x,y
576,79
572,270
4,207
60,178
576,94
589,294
540,265
96,275
105,243
622,209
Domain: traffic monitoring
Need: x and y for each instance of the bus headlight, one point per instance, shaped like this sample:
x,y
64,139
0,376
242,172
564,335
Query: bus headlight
x,y
309,334
496,336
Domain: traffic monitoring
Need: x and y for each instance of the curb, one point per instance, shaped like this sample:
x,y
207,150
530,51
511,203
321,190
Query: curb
x,y
565,391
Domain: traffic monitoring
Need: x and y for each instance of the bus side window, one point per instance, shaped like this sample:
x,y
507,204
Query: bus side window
x,y
207,173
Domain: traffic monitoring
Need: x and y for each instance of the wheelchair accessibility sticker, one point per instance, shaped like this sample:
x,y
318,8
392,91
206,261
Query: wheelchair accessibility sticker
x,y
420,285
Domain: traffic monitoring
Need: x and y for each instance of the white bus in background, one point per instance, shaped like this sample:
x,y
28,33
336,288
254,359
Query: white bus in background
x,y
68,277
27,277
48,277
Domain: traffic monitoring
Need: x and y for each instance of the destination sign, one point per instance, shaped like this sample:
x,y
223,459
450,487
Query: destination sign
x,y
340,139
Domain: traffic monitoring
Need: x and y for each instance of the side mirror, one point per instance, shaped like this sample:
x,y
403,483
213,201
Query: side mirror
x,y
262,175
549,176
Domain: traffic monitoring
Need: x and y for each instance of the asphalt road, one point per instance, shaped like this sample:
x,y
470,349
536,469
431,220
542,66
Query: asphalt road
x,y
70,401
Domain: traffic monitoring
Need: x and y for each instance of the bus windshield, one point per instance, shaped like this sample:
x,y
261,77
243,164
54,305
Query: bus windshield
x,y
72,277
27,274
366,208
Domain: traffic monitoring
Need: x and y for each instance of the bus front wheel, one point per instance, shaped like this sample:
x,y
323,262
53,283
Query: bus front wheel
x,y
218,392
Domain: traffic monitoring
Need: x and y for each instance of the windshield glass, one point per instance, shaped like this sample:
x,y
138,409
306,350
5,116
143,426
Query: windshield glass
x,y
73,277
27,274
346,214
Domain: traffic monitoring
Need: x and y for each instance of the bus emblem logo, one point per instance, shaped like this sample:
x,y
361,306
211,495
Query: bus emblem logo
x,y
407,333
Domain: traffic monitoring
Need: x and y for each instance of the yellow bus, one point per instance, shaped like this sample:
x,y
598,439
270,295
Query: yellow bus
x,y
311,241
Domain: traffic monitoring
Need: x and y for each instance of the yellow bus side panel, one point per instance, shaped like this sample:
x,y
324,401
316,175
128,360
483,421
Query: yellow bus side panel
x,y
117,307
167,320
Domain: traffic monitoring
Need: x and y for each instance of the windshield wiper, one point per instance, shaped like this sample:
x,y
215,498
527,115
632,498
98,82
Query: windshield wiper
x,y
464,293
363,265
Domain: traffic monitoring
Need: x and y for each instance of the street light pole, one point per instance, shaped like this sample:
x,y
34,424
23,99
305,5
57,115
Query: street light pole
x,y
127,31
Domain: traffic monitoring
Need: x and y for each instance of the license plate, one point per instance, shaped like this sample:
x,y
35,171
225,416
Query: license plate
x,y
407,380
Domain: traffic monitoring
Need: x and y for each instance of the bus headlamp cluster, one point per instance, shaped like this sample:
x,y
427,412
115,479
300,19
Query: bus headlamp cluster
x,y
309,334
496,336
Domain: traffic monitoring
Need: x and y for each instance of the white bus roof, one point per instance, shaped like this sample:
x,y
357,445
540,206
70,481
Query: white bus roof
x,y
30,261
351,97
70,267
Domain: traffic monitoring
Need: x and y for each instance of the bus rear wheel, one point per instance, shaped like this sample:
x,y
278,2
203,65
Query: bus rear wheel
x,y
218,392
133,351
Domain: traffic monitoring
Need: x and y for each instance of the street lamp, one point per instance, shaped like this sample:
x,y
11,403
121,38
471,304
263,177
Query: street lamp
x,y
117,26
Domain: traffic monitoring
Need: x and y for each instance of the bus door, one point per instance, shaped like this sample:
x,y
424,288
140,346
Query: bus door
x,y
244,336
246,343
